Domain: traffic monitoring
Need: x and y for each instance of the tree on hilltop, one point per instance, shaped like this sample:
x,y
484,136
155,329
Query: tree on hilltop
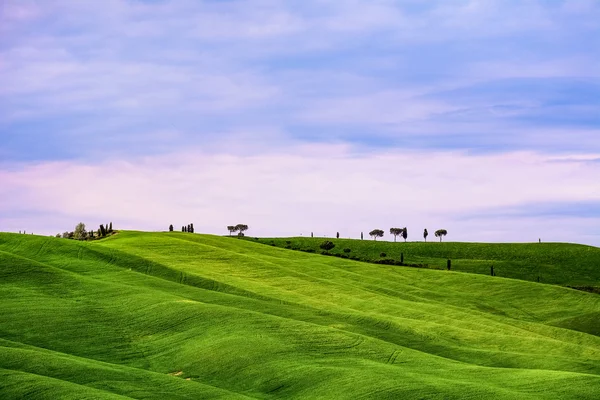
x,y
425,234
102,230
110,229
231,229
375,233
241,228
171,228
404,233
395,232
80,233
441,232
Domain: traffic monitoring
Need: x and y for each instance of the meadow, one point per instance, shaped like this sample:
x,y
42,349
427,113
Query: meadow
x,y
186,316
565,264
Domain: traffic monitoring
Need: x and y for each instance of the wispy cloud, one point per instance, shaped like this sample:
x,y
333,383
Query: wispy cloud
x,y
458,87
312,188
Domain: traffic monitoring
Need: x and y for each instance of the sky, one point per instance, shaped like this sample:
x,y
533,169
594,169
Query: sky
x,y
478,117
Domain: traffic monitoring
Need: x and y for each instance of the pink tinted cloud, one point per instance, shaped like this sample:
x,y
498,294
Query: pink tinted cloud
x,y
316,188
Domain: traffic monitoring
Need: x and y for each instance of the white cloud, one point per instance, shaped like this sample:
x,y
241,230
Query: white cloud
x,y
313,188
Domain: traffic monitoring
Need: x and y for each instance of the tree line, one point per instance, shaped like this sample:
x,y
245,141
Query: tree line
x,y
189,228
403,232
81,233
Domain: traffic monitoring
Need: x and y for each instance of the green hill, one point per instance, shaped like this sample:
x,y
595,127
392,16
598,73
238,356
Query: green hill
x,y
557,263
184,316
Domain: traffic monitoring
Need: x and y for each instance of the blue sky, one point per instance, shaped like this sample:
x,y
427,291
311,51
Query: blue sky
x,y
303,116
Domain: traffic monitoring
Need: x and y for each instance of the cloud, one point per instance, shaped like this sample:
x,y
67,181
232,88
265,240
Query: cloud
x,y
355,112
318,188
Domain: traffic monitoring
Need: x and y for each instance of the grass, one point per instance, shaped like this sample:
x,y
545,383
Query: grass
x,y
183,316
556,263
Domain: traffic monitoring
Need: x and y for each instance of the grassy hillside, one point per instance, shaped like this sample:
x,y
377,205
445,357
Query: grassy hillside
x,y
182,316
556,263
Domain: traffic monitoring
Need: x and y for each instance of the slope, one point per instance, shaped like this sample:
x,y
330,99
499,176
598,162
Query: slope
x,y
556,263
174,315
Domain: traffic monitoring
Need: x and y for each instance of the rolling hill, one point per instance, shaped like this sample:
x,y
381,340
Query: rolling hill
x,y
185,316
565,264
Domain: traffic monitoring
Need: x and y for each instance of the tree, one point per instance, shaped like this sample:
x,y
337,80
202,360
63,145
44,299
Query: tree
x,y
337,235
361,236
171,228
425,234
395,232
327,245
80,233
110,228
241,228
91,234
441,232
404,233
375,233
231,229
191,228
102,230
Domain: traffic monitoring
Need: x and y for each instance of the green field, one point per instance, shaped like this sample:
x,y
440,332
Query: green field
x,y
557,263
187,316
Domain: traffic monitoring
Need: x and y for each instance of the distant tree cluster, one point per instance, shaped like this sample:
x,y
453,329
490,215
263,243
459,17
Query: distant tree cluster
x,y
189,228
239,228
399,232
403,232
81,233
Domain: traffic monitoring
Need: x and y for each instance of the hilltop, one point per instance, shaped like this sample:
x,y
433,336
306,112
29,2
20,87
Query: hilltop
x,y
181,316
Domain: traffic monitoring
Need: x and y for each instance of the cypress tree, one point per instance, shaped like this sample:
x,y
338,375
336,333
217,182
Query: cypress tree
x,y
110,228
171,228
102,230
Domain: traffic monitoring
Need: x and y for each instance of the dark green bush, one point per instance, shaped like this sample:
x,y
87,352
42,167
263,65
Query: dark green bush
x,y
327,245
